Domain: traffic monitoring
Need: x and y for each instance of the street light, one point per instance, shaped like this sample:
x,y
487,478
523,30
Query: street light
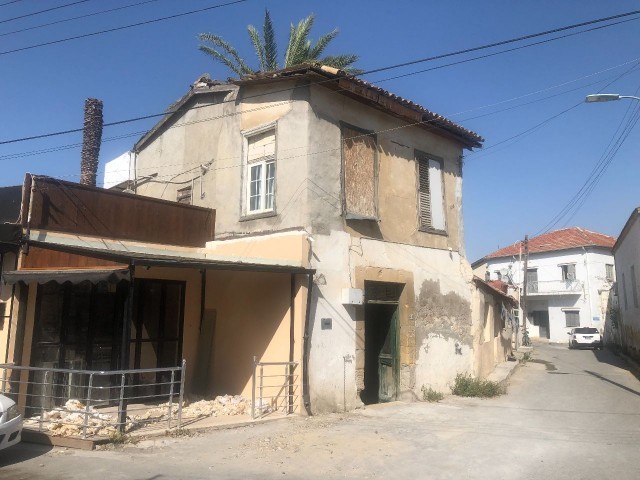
x,y
607,97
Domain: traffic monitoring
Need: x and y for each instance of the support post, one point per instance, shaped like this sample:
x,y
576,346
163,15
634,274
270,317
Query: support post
x,y
45,382
121,422
124,345
173,378
87,407
523,302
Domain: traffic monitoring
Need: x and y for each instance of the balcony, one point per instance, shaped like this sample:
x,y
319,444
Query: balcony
x,y
554,287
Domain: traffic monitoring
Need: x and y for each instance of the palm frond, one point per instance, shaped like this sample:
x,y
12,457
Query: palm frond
x,y
241,66
299,36
339,61
270,45
258,46
216,55
321,44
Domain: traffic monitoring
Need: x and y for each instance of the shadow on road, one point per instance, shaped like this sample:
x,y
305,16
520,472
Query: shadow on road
x,y
22,452
605,379
609,356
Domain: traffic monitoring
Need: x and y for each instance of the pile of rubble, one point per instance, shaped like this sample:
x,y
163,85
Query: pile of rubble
x,y
69,421
224,405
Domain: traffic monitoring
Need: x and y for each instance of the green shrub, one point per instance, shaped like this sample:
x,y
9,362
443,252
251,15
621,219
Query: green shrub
x,y
525,358
467,386
431,395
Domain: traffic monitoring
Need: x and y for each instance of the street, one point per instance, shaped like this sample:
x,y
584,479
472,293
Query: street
x,y
567,414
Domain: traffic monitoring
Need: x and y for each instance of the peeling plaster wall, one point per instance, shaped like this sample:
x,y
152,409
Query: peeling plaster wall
x,y
438,305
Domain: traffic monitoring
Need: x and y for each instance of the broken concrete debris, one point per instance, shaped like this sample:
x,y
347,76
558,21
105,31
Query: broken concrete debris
x,y
69,420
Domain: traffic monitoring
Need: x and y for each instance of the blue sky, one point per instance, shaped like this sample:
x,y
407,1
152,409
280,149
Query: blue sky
x,y
510,190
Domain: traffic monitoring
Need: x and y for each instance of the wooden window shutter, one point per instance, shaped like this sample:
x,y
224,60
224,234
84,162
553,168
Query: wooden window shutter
x,y
359,174
424,197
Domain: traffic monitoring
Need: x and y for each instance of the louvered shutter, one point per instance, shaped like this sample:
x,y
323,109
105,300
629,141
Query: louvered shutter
x,y
424,198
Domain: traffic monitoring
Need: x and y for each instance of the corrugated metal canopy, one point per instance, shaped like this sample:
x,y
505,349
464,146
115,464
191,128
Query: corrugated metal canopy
x,y
63,276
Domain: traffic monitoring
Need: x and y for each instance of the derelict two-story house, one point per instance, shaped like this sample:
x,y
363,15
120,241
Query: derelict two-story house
x,y
376,182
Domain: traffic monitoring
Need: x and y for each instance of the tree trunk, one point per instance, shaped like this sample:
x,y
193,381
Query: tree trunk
x,y
91,140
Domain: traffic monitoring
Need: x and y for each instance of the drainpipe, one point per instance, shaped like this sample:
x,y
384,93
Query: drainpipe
x,y
588,286
306,348
10,319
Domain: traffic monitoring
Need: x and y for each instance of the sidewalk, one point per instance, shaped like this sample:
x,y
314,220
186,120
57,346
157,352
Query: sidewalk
x,y
504,370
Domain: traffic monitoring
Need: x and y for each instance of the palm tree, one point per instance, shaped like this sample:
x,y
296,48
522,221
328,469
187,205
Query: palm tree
x,y
300,49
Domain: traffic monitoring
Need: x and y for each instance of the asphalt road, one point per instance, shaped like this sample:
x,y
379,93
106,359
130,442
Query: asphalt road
x,y
568,414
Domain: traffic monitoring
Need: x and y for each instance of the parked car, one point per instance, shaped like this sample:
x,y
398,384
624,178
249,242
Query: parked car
x,y
585,337
10,423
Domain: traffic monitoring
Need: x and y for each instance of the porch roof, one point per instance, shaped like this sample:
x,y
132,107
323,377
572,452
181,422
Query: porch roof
x,y
147,254
61,276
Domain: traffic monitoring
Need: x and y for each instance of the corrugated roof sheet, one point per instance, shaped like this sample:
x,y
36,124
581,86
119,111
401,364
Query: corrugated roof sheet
x,y
574,237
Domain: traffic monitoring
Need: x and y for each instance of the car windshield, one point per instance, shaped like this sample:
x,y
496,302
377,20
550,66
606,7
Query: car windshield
x,y
586,330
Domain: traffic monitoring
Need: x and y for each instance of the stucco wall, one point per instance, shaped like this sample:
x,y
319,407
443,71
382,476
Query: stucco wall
x,y
626,255
492,345
437,309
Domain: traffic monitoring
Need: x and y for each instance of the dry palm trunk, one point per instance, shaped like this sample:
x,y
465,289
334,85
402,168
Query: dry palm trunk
x,y
91,140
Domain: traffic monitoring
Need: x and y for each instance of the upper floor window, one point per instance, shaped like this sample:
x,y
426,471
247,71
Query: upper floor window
x,y
609,275
431,213
360,172
260,158
184,195
568,271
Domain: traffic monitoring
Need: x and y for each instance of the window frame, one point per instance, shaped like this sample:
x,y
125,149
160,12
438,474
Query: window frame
x,y
608,268
376,173
566,318
564,272
426,159
245,212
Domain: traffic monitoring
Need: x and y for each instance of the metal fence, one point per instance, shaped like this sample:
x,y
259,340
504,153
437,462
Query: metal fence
x,y
90,403
274,388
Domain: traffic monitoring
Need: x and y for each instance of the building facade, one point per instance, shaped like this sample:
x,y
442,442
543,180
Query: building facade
x,y
376,182
625,326
570,274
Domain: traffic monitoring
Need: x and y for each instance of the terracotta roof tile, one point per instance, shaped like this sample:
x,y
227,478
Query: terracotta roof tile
x,y
574,237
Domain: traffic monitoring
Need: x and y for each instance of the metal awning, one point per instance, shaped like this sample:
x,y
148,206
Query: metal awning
x,y
61,276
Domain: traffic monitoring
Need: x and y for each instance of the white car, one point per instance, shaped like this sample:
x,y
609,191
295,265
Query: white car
x,y
10,423
585,337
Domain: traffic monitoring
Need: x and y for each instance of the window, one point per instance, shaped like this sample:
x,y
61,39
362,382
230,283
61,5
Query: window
x,y
609,272
498,275
568,271
430,194
260,172
572,318
184,195
359,165
624,293
487,276
634,287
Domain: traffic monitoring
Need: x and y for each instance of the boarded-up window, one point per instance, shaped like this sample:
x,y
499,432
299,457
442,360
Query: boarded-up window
x,y
430,194
359,166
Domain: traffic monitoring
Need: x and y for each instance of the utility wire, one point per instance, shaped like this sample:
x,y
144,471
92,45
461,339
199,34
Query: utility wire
x,y
146,117
123,27
475,155
76,18
9,3
44,11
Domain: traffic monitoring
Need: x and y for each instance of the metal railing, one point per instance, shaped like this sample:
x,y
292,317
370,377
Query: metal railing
x,y
88,403
279,393
554,287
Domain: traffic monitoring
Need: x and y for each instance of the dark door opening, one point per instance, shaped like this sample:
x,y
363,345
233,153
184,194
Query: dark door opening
x,y
380,342
541,319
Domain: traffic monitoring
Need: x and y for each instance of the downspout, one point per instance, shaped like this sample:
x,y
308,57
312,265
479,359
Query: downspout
x,y
588,288
25,210
125,344
306,398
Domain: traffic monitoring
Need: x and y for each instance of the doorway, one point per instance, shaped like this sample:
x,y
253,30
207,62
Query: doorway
x,y
381,342
541,319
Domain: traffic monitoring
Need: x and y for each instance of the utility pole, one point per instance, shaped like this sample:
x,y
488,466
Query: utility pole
x,y
523,299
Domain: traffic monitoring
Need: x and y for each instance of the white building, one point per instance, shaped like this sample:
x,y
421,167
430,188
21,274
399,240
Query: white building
x,y
569,275
626,326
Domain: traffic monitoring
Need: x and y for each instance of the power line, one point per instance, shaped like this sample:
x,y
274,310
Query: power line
x,y
76,18
475,155
9,3
44,11
147,117
124,27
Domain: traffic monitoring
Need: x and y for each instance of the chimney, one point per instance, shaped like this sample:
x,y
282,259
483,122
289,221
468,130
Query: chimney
x,y
91,140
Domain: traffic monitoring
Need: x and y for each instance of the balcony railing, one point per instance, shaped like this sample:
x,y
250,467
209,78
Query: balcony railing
x,y
554,287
